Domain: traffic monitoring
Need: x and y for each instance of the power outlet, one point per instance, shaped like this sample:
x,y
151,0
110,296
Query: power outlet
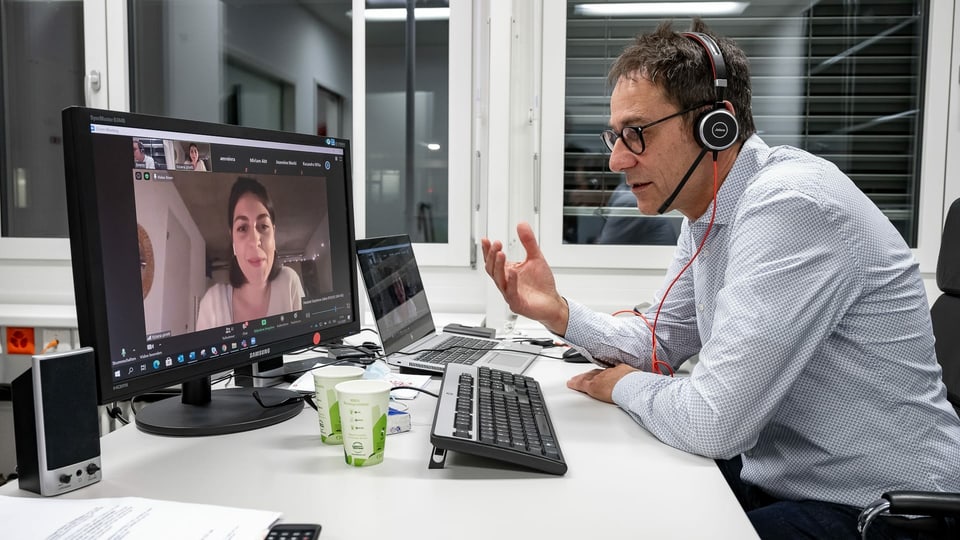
x,y
55,340
20,340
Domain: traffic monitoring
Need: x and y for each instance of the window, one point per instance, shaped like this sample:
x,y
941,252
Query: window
x,y
232,61
41,72
407,100
843,80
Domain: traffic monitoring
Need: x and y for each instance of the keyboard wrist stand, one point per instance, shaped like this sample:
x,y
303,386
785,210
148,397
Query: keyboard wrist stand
x,y
438,458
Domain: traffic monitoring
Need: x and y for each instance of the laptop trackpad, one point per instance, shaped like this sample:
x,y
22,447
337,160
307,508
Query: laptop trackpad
x,y
499,360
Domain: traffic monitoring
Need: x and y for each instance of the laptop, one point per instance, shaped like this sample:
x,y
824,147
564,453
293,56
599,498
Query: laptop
x,y
407,331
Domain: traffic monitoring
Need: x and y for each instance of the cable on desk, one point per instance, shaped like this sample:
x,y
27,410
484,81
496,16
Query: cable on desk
x,y
417,388
113,411
151,397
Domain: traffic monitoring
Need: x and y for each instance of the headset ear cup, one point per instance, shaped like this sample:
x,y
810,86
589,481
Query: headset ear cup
x,y
716,129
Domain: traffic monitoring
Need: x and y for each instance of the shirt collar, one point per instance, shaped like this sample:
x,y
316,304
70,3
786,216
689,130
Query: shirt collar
x,y
752,154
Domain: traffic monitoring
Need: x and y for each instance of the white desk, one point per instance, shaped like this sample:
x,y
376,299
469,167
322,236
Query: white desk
x,y
621,482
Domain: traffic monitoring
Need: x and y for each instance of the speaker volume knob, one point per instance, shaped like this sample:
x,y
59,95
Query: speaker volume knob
x,y
92,469
65,478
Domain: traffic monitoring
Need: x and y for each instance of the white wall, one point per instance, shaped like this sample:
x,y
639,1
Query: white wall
x,y
171,306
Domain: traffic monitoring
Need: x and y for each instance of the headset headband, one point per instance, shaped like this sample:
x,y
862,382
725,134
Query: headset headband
x,y
717,66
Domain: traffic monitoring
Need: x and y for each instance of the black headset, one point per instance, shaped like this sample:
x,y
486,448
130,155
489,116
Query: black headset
x,y
716,129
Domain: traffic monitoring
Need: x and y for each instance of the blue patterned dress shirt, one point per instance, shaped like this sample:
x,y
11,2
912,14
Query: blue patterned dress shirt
x,y
816,349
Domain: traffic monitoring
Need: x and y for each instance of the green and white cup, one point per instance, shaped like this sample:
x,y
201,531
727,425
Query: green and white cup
x,y
363,410
325,380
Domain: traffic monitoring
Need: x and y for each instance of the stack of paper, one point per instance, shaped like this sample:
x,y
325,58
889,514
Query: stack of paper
x,y
128,518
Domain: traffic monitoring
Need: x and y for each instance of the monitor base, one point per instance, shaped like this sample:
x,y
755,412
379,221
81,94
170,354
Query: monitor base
x,y
230,410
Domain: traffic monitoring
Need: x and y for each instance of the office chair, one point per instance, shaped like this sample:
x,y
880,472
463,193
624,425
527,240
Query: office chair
x,y
945,315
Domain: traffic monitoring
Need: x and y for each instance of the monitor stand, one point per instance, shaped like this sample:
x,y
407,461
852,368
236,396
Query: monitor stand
x,y
202,411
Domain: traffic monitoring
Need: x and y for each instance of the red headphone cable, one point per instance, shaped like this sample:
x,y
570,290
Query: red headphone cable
x,y
656,365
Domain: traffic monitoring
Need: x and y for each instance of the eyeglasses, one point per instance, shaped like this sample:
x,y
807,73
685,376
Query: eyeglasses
x,y
632,136
287,401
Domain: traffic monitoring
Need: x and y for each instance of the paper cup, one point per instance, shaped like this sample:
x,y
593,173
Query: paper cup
x,y
363,410
325,380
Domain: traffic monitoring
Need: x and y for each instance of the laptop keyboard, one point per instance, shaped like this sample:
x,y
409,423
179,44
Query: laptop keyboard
x,y
457,350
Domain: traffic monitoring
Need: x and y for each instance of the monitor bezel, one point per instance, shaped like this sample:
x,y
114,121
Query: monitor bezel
x,y
87,253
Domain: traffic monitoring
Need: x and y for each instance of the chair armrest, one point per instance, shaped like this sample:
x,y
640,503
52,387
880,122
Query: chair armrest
x,y
924,503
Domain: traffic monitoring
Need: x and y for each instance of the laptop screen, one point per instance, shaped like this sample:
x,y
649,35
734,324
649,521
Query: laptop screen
x,y
395,289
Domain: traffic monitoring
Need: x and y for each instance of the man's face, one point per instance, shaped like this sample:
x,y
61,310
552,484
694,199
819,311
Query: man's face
x,y
137,154
670,148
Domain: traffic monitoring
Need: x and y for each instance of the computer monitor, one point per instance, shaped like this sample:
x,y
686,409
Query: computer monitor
x,y
198,248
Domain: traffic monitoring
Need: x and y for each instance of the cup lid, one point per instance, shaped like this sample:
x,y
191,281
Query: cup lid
x,y
338,371
364,386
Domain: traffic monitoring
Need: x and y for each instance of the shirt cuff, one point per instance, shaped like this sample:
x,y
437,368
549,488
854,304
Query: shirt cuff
x,y
577,331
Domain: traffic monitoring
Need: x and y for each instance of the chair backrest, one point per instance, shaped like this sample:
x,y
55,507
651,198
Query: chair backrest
x,y
946,310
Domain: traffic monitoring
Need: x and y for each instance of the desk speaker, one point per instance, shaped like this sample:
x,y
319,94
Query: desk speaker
x,y
56,423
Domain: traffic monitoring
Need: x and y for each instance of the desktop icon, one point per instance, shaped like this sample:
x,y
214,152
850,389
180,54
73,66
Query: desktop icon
x,y
263,322
213,350
253,341
146,176
116,374
180,358
143,367
169,361
156,364
224,347
193,355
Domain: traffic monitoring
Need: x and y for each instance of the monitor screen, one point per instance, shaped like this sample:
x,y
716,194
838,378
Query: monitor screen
x,y
198,248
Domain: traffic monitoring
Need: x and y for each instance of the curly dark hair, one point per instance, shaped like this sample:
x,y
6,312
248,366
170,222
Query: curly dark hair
x,y
679,66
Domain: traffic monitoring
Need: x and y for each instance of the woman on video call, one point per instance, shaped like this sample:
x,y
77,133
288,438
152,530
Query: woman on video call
x,y
259,286
195,160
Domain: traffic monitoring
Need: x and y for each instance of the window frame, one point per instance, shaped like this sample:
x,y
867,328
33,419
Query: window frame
x,y
37,271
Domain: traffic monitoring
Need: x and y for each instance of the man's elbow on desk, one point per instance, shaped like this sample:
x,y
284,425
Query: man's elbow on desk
x,y
712,433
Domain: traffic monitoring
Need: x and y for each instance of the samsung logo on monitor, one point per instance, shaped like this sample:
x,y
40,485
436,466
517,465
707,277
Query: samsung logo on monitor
x,y
262,352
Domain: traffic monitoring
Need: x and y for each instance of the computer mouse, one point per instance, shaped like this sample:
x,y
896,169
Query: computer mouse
x,y
572,355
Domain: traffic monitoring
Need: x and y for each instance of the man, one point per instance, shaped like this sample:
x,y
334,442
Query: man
x,y
141,159
817,372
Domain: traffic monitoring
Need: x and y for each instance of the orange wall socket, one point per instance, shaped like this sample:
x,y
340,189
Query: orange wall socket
x,y
20,341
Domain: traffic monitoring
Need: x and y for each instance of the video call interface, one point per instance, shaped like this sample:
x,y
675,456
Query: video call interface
x,y
216,219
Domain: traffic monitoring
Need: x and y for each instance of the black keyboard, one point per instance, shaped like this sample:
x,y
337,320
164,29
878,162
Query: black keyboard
x,y
498,415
